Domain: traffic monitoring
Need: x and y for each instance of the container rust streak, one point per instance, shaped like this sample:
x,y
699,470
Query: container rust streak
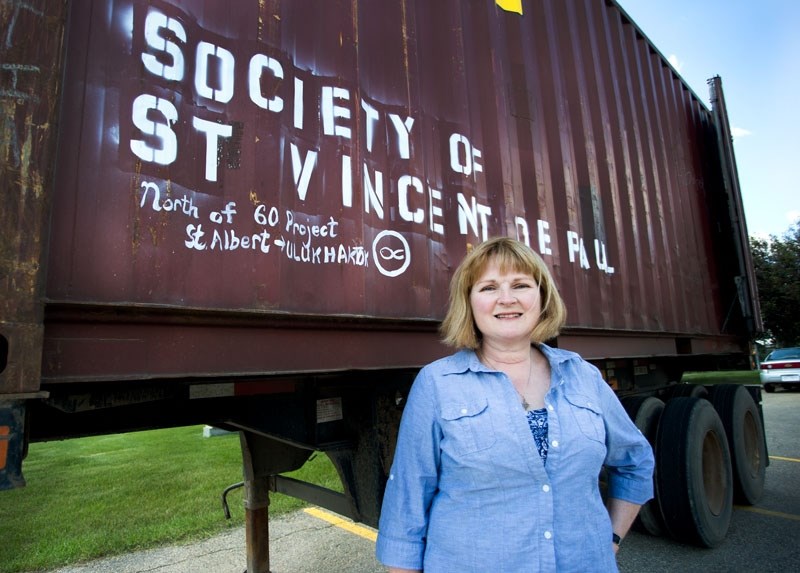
x,y
30,67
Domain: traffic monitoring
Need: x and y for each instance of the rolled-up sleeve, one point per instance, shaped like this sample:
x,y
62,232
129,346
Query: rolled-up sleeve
x,y
629,461
412,482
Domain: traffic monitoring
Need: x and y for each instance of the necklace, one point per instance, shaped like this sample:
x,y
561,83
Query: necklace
x,y
525,404
522,394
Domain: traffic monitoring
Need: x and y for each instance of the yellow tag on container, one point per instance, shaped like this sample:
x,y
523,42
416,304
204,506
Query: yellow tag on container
x,y
511,5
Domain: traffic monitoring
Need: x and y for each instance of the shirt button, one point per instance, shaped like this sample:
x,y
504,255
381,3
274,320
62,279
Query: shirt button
x,y
589,404
545,488
550,407
554,443
463,410
548,535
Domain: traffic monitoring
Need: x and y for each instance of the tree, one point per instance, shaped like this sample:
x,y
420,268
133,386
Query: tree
x,y
777,266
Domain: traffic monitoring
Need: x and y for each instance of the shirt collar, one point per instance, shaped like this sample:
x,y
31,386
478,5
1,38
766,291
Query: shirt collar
x,y
557,355
467,360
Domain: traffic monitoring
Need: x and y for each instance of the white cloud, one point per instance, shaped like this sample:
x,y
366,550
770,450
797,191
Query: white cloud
x,y
676,63
738,132
793,216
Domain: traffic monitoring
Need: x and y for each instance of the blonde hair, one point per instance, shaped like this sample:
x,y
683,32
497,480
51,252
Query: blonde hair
x,y
458,328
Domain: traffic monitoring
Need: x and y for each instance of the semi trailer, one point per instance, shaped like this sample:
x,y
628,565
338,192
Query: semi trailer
x,y
246,214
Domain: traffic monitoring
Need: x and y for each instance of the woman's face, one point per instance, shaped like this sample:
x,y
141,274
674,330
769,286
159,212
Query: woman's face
x,y
506,306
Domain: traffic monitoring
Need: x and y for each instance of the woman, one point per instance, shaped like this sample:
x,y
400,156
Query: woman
x,y
501,444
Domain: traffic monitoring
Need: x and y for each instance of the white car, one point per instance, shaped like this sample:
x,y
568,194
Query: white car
x,y
781,368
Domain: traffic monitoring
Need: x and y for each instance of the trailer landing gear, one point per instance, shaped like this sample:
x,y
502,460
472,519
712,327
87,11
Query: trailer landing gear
x,y
263,458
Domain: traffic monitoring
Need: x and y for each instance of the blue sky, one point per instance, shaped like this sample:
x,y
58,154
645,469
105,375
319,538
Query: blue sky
x,y
755,48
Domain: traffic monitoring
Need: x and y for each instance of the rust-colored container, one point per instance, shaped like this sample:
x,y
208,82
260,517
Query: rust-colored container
x,y
247,213
287,186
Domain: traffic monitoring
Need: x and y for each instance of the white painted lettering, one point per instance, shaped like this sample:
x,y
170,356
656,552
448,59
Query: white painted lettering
x,y
460,162
298,103
392,188
373,194
403,185
167,150
403,129
213,132
436,212
544,237
576,247
225,215
226,64
154,24
184,204
331,112
464,158
229,240
475,214
523,233
259,63
263,218
347,182
194,234
601,258
308,229
369,123
302,169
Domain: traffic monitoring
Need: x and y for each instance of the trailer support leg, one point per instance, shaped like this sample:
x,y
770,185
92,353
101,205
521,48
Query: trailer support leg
x,y
262,458
256,522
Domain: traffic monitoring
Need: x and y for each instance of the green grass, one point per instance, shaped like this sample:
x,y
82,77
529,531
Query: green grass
x,y
93,497
722,377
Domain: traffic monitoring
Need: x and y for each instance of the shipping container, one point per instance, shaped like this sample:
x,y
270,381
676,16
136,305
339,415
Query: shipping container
x,y
247,214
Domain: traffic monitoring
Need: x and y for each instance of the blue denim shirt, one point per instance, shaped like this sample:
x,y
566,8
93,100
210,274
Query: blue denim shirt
x,y
468,491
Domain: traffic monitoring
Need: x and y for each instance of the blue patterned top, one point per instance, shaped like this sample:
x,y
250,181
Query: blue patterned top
x,y
537,422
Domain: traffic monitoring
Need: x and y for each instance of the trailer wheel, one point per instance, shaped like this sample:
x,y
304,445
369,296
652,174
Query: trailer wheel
x,y
685,391
694,478
745,433
645,411
769,388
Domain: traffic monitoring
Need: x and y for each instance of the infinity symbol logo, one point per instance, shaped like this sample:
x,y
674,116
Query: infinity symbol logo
x,y
383,252
388,254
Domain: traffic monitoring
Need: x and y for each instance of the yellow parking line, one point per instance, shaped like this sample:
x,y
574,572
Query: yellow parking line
x,y
784,459
372,535
768,512
342,523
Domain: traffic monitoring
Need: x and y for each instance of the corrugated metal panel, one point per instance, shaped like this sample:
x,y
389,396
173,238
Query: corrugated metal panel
x,y
31,60
365,145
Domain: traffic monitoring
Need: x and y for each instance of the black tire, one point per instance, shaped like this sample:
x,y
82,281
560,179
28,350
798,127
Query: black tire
x,y
645,411
693,472
745,433
769,388
684,391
